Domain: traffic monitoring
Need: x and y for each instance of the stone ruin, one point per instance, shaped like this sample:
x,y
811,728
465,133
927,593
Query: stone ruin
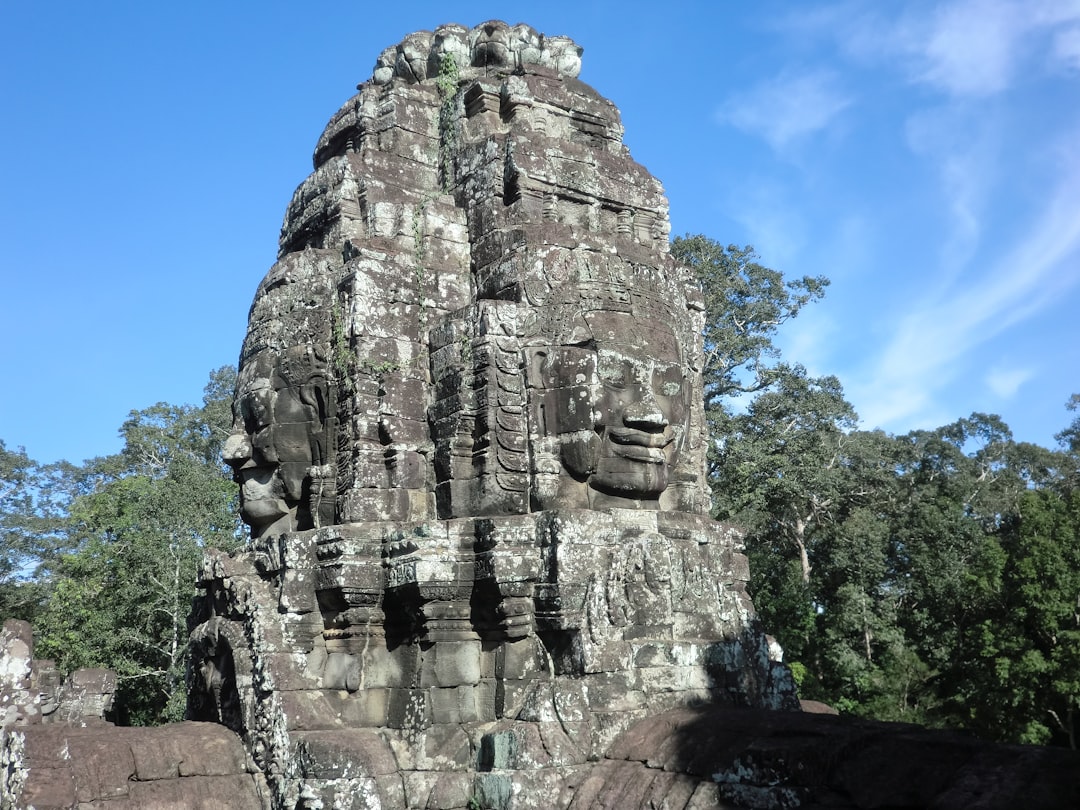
x,y
470,444
34,691
59,749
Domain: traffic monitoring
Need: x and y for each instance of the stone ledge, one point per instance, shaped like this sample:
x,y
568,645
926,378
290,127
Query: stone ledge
x,y
185,765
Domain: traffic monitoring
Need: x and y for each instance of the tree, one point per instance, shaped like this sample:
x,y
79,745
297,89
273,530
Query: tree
x,y
1020,680
779,469
1069,439
33,504
18,596
930,577
794,473
1070,436
745,304
775,466
120,597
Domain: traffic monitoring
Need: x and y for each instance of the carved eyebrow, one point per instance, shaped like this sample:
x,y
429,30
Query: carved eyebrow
x,y
666,368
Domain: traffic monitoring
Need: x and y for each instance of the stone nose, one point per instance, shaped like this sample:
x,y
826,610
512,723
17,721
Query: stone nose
x,y
645,413
237,450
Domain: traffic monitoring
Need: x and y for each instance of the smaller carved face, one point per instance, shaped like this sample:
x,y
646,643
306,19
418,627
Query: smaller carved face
x,y
250,450
492,47
279,415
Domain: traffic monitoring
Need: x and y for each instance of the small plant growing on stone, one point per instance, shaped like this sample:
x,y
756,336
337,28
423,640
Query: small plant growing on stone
x,y
447,84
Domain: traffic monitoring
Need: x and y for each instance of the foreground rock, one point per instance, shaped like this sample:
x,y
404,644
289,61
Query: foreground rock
x,y
58,750
187,765
746,758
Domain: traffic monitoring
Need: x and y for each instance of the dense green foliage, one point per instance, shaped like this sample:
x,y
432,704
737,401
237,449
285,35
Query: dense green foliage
x,y
932,577
102,556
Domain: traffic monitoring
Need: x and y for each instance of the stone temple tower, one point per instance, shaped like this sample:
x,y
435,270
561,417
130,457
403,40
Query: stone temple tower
x,y
470,445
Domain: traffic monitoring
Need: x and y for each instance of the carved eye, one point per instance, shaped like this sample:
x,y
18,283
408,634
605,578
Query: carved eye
x,y
612,373
668,381
256,409
247,413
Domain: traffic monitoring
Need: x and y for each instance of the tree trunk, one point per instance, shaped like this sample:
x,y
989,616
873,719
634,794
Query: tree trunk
x,y
799,535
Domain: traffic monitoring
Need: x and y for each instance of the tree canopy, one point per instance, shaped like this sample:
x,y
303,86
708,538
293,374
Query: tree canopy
x,y
931,577
102,556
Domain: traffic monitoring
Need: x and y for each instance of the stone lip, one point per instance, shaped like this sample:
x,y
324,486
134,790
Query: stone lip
x,y
493,45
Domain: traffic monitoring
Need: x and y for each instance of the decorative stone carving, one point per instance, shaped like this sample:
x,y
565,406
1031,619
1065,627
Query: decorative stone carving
x,y
470,445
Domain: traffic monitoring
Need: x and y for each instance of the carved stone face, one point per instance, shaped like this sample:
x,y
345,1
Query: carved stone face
x,y
620,410
250,451
279,434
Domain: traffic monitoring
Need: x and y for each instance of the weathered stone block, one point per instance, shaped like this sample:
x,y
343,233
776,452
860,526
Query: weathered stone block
x,y
344,754
493,790
674,679
306,710
238,791
458,704
408,709
419,787
520,658
457,663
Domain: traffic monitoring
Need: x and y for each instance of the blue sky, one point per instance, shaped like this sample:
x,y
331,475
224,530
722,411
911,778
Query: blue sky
x,y
925,156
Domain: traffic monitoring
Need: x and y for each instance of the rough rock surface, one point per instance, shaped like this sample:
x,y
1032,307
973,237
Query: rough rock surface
x,y
57,750
186,765
470,443
748,758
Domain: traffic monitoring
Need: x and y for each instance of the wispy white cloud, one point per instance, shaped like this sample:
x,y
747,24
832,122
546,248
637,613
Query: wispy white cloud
x,y
968,48
1066,49
774,225
932,341
964,147
1005,382
963,48
979,47
842,253
1000,230
973,51
787,107
808,340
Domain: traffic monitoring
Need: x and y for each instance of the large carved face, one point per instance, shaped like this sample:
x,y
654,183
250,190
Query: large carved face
x,y
279,435
620,410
